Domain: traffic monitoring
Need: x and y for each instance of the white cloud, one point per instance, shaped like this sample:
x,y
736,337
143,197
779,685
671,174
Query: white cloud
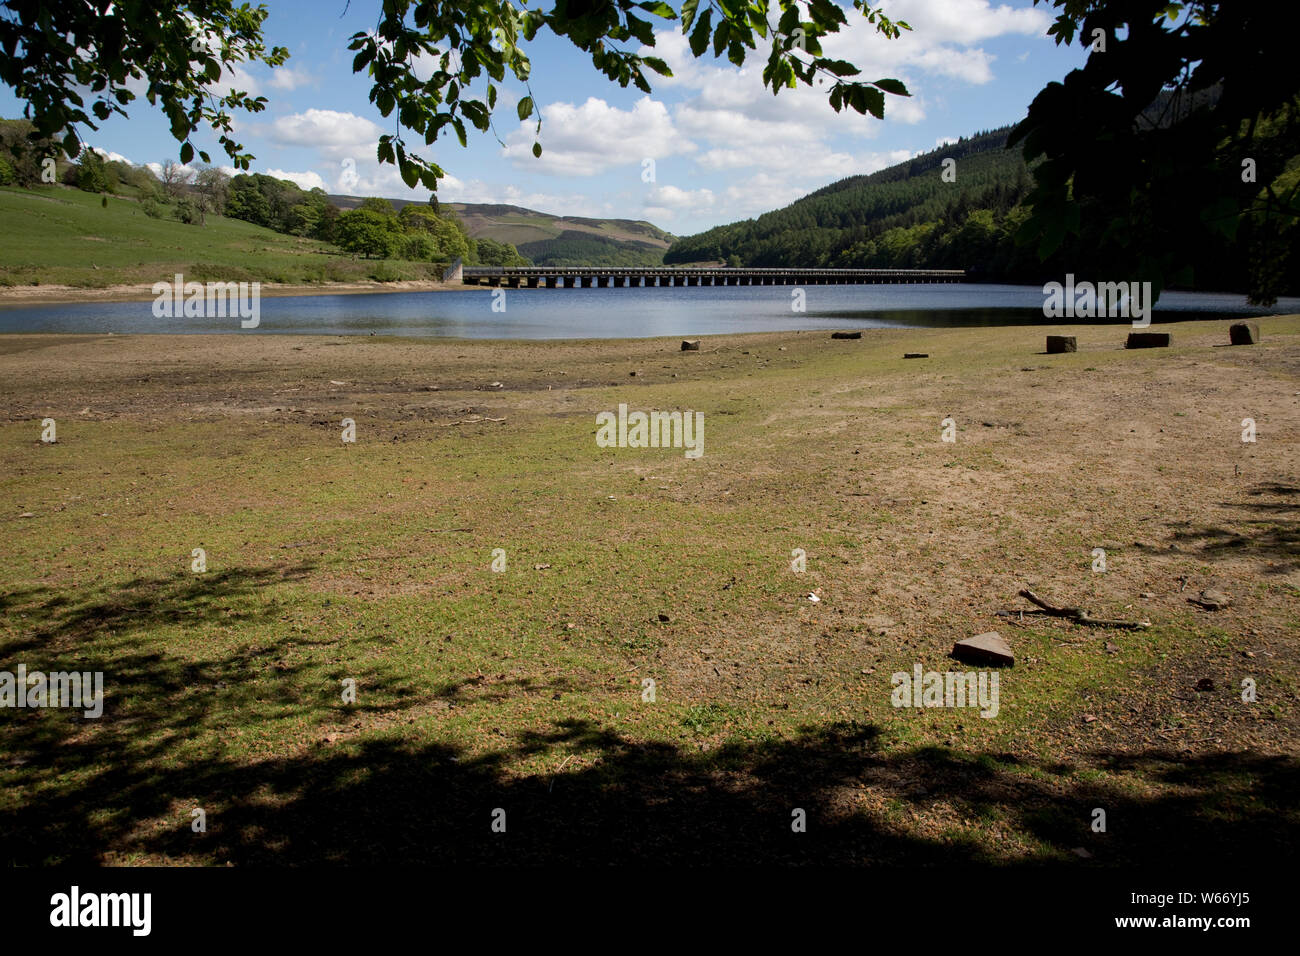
x,y
967,21
157,168
304,180
591,138
109,156
761,193
672,197
337,135
288,78
236,77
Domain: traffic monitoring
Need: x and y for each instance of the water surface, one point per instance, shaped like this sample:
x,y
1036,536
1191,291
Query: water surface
x,y
620,313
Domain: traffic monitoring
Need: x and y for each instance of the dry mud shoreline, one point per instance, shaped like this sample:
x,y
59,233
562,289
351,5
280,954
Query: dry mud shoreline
x,y
373,561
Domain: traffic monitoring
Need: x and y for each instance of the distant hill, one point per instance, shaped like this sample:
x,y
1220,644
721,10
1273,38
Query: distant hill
x,y
555,240
843,224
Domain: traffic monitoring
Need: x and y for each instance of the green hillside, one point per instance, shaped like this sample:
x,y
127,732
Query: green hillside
x,y
549,240
879,219
58,235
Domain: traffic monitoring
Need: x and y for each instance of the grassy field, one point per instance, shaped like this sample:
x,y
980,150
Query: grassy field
x,y
55,235
524,689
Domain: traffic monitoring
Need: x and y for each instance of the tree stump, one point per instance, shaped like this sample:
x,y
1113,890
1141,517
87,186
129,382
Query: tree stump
x,y
1057,344
690,345
846,335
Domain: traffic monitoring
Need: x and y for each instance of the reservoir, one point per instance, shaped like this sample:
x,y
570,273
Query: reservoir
x,y
621,313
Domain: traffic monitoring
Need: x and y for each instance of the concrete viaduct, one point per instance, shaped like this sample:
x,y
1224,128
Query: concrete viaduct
x,y
646,277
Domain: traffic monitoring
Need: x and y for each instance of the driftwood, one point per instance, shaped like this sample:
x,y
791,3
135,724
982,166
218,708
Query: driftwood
x,y
468,421
1079,615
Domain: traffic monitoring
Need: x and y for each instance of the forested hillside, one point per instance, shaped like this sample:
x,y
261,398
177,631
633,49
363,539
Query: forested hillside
x,y
574,248
906,216
909,216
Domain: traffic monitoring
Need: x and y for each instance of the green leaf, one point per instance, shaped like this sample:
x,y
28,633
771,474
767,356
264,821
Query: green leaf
x,y
187,152
689,9
700,35
537,150
658,65
838,67
893,86
720,37
525,108
789,20
660,9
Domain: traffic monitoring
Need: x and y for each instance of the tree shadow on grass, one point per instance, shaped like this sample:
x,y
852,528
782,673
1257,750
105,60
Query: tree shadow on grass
x,y
378,801
122,787
1272,530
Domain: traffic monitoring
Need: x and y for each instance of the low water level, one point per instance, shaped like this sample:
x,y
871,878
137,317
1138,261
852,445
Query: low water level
x,y
619,313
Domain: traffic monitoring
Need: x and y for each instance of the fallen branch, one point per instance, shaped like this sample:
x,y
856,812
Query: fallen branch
x,y
468,421
1079,615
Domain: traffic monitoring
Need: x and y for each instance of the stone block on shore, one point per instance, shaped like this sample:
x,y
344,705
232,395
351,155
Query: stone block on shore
x,y
1244,333
1148,340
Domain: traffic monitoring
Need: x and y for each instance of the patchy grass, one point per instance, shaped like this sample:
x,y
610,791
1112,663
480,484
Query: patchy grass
x,y
372,562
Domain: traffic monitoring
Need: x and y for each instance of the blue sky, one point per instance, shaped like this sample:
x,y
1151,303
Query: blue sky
x,y
723,147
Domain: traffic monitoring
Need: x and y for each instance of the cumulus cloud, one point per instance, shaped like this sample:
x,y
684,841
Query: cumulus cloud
x,y
111,157
157,168
304,180
336,134
586,139
673,197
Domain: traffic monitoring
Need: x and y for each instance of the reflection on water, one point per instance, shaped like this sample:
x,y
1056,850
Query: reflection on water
x,y
620,313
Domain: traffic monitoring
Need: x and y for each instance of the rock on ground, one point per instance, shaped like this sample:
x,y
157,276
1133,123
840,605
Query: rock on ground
x,y
988,648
